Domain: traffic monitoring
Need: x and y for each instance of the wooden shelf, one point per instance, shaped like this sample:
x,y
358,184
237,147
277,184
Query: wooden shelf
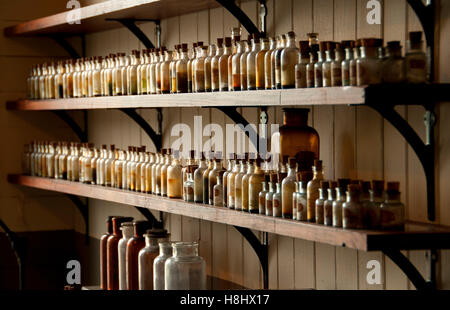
x,y
286,97
416,235
92,17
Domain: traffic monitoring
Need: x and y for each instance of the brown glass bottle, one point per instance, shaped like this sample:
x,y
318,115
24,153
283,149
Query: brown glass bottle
x,y
296,136
134,245
112,253
103,248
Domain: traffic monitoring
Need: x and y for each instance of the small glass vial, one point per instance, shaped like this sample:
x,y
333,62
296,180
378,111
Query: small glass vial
x,y
199,70
393,66
215,81
268,64
328,205
320,202
251,62
313,190
373,211
353,62
277,61
339,201
165,252
314,57
352,209
300,67
302,197
347,46
255,182
415,59
217,170
198,180
392,210
208,61
218,193
174,178
318,66
288,189
185,270
189,185
336,66
127,232
276,199
289,59
223,65
368,66
262,195
269,196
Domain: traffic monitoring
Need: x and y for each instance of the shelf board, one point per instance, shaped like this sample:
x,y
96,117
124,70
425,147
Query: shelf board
x,y
415,236
92,17
285,97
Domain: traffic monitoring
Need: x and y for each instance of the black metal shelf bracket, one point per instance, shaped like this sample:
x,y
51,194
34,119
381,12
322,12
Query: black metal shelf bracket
x,y
426,14
236,11
130,24
155,137
81,134
83,207
66,45
151,218
261,249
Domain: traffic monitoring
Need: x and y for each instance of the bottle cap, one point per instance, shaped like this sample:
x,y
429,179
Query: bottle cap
x,y
365,186
290,34
157,233
323,46
304,47
292,162
324,184
333,184
358,43
219,42
318,164
140,227
378,185
227,41
267,177
394,44
273,177
342,183
352,188
331,46
112,147
393,186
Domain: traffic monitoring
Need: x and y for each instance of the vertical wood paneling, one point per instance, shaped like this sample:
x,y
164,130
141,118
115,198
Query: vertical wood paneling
x,y
302,18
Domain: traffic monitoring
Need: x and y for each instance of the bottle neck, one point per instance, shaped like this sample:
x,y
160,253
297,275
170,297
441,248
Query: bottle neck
x,y
185,249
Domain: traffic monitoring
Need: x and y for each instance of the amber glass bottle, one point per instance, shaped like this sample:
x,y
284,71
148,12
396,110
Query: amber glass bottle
x,y
313,191
191,57
255,182
289,59
268,64
251,62
296,136
199,70
215,81
175,178
260,62
134,245
243,63
165,72
206,179
277,61
223,65
103,255
208,60
167,162
236,67
112,252
181,70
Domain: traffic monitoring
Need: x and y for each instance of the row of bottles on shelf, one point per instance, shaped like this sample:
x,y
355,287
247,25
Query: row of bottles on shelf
x,y
232,65
133,256
296,190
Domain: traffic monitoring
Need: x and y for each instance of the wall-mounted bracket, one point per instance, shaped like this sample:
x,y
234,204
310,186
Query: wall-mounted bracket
x,y
426,14
236,11
155,137
151,218
66,45
83,207
130,23
261,249
81,134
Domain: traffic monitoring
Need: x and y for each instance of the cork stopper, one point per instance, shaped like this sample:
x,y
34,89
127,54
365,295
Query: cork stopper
x,y
378,186
163,151
415,36
200,43
219,42
331,46
227,41
355,181
324,185
358,43
267,178
184,47
318,164
394,44
255,37
393,187
323,46
292,162
304,47
333,184
290,34
273,178
284,159
365,186
342,183
112,147
353,188
369,42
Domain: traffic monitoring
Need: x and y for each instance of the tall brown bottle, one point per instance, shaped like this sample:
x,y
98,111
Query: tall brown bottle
x,y
134,245
112,253
103,258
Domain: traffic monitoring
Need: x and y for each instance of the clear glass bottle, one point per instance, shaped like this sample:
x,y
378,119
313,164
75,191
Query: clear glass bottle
x,y
205,178
328,204
147,256
238,183
185,270
301,66
276,198
352,209
123,73
189,185
318,66
392,209
100,177
215,80
339,201
373,210
415,59
368,66
353,62
223,65
217,171
229,168
243,63
196,54
251,62
208,62
140,160
142,73
173,69
175,178
260,63
200,70
276,62
262,194
165,72
127,232
320,202
302,200
109,171
273,177
181,70
156,173
236,67
198,180
165,252
255,182
116,74
313,190
132,74
218,192
134,245
231,178
191,57
336,66
164,167
289,59
158,64
151,71
288,189
347,46
250,168
268,63
118,166
393,67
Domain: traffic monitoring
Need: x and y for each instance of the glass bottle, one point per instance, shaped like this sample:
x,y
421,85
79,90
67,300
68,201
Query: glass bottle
x,y
373,210
196,55
318,66
250,168
320,202
289,59
116,74
368,66
142,73
112,252
393,67
243,63
181,70
218,192
353,62
300,67
276,63
326,65
273,177
109,166
167,162
108,74
217,170
123,73
415,59
185,270
207,69
205,178
156,173
313,190
336,65
392,209
50,158
251,62
200,70
103,255
288,189
260,62
134,246
302,199
296,137
215,81
94,159
339,201
236,67
234,44
175,178
228,170
165,252
158,64
127,233
231,177
189,187
255,182
147,256
276,198
173,69
364,198
198,180
310,72
118,170
268,64
352,209
132,73
100,176
147,172
140,161
347,46
223,65
165,72
238,184
189,67
328,204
